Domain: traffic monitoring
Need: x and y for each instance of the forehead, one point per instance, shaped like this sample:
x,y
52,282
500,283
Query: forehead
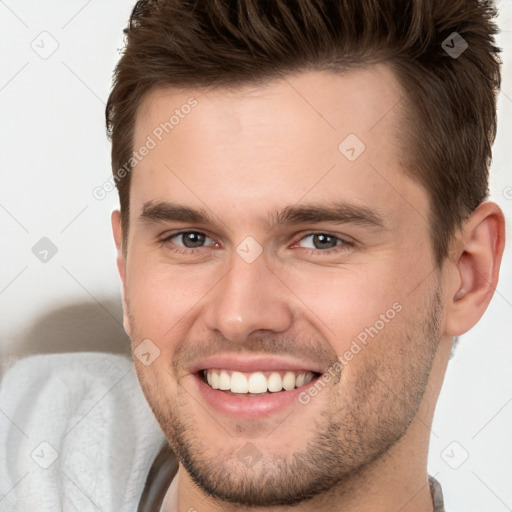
x,y
317,134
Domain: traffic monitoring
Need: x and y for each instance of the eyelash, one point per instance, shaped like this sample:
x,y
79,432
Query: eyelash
x,y
344,246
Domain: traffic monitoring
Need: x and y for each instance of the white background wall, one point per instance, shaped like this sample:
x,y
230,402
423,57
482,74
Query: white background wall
x,y
53,152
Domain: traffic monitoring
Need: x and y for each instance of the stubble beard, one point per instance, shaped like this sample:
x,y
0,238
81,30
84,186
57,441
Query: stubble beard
x,y
362,419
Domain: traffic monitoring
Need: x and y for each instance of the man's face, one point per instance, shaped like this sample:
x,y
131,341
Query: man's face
x,y
308,254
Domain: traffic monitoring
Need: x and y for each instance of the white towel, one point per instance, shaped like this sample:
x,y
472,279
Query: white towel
x,y
76,434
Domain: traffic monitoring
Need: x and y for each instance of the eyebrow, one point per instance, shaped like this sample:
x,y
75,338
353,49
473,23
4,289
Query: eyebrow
x,y
337,212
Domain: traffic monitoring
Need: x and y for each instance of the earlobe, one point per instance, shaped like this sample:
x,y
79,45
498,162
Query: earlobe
x,y
475,268
117,231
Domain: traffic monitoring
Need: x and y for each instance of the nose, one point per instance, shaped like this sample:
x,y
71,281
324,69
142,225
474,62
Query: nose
x,y
248,299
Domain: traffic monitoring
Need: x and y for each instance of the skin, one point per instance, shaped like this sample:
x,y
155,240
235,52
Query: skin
x,y
240,155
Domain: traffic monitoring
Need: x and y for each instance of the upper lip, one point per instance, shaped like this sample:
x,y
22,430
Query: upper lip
x,y
254,363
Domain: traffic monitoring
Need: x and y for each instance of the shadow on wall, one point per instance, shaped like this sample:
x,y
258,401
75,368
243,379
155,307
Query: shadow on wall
x,y
78,327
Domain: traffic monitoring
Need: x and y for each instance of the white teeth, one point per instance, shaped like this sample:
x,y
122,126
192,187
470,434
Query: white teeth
x,y
289,381
239,383
224,380
215,380
274,383
256,382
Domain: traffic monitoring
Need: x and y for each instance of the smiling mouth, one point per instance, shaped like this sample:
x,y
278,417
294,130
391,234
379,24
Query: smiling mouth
x,y
256,383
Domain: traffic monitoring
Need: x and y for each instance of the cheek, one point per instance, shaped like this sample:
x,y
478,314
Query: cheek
x,y
161,297
343,302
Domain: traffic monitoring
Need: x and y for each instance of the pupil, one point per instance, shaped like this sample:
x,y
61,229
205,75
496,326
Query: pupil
x,y
193,239
324,241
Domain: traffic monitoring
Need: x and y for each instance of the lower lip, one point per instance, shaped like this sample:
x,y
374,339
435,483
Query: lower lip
x,y
247,406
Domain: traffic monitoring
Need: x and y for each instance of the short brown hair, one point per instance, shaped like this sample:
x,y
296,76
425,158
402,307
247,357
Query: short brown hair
x,y
450,101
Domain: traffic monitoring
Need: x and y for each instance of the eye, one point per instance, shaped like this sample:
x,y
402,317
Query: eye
x,y
189,239
322,241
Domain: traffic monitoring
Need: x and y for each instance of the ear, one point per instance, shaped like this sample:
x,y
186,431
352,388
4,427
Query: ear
x,y
117,231
473,268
